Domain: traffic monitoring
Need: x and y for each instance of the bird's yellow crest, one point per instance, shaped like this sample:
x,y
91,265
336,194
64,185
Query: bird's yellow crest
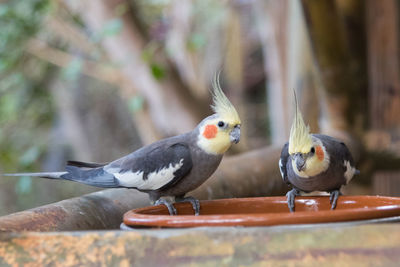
x,y
300,139
221,104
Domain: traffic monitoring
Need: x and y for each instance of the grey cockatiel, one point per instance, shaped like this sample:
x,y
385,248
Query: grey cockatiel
x,y
314,162
169,167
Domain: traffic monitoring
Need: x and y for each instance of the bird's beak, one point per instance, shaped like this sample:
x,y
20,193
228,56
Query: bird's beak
x,y
300,161
235,134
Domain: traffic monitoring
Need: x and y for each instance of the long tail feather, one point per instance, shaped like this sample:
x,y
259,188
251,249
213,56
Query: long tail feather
x,y
94,177
48,175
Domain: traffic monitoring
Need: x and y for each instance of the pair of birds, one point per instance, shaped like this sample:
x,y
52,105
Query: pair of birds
x,y
179,164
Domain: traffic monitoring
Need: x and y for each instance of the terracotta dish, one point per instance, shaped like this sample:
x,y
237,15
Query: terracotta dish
x,y
264,211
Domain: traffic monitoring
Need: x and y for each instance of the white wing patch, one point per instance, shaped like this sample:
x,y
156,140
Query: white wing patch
x,y
154,181
130,179
281,167
350,171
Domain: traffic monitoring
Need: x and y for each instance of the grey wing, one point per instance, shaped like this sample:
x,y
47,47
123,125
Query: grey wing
x,y
346,155
340,156
348,163
159,168
283,162
336,148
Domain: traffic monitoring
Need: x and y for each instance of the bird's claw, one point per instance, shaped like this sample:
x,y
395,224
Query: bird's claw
x,y
195,203
168,204
291,195
333,197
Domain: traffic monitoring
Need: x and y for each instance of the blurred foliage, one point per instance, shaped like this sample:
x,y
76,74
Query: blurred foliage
x,y
19,20
149,56
24,100
148,12
111,28
73,70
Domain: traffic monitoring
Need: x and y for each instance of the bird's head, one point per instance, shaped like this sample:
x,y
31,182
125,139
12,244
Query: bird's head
x,y
218,131
308,154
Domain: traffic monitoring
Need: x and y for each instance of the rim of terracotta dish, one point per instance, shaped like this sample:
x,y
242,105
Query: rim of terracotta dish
x,y
392,208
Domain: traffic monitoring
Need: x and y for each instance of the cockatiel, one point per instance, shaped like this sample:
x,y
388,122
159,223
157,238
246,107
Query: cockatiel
x,y
167,168
314,162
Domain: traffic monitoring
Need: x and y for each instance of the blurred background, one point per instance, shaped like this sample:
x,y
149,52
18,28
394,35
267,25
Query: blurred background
x,y
95,80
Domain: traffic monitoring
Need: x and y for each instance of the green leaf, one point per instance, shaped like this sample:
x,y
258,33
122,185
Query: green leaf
x,y
158,71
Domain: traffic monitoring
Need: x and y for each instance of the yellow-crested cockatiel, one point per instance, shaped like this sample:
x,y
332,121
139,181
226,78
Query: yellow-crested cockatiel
x,y
170,167
314,162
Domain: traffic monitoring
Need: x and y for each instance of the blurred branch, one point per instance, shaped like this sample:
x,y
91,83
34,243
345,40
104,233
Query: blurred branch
x,y
100,72
62,59
68,32
185,51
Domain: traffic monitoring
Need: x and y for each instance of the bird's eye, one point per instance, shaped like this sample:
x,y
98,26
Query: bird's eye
x,y
312,150
221,124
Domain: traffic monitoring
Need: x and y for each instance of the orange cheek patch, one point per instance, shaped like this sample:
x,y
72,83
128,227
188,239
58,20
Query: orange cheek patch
x,y
210,131
319,152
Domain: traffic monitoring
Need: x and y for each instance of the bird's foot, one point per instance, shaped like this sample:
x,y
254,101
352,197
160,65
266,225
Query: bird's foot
x,y
195,203
333,197
291,195
168,204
